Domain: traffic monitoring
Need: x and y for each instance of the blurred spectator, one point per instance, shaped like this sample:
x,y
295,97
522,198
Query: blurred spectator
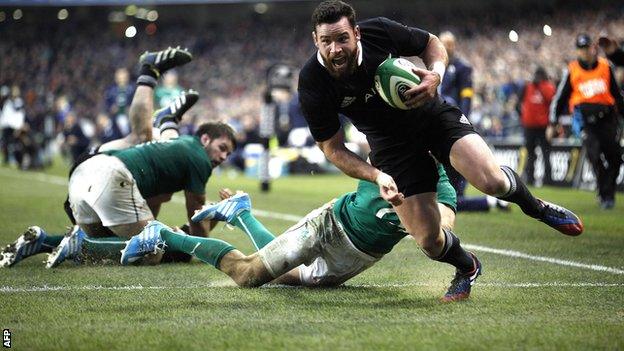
x,y
62,108
118,98
614,52
456,87
106,129
248,133
168,91
12,120
76,140
588,87
535,102
299,134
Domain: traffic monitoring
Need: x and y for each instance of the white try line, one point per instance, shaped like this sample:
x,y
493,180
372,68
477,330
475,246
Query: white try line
x,y
294,218
568,263
52,288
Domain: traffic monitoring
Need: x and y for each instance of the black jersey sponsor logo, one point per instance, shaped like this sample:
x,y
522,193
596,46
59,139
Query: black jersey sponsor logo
x,y
348,100
463,119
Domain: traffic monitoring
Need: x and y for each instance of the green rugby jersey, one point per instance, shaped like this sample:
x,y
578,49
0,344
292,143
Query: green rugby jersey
x,y
370,221
162,167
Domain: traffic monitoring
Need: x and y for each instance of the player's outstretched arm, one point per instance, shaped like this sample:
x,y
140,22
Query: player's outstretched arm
x,y
353,166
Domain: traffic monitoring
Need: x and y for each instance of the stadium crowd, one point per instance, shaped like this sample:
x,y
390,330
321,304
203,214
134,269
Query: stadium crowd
x,y
63,76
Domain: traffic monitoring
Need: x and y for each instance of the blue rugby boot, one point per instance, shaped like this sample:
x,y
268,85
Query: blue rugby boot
x,y
164,60
148,241
560,218
26,245
225,210
462,283
170,116
68,248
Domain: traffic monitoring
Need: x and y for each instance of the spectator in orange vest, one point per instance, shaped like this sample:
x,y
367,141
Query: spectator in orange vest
x,y
589,90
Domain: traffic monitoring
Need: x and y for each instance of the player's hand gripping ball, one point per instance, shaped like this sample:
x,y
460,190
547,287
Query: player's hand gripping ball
x,y
393,78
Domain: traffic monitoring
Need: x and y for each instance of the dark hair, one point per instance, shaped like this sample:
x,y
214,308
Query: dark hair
x,y
332,11
216,130
540,74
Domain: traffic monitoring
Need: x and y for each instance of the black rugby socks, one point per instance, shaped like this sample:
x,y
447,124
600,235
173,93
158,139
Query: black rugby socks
x,y
519,194
454,254
148,76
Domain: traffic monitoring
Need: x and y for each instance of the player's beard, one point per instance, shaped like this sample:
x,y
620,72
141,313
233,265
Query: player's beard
x,y
346,69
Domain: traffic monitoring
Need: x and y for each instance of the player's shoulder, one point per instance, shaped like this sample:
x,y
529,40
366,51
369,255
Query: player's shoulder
x,y
377,23
380,28
184,141
311,73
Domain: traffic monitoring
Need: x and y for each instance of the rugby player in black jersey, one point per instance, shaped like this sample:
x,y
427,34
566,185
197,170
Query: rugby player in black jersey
x,y
339,78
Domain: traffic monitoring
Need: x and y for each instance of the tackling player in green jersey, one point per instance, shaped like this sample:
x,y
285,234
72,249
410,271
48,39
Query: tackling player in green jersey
x,y
326,248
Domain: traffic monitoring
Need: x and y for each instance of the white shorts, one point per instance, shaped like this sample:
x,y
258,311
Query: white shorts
x,y
321,249
102,189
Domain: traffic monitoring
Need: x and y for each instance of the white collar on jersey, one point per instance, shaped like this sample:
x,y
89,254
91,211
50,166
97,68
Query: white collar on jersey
x,y
360,55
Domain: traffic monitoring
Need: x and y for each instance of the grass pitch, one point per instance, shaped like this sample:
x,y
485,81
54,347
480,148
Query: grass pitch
x,y
539,290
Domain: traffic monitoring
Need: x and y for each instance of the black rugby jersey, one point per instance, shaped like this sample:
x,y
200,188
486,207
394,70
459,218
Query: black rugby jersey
x,y
322,97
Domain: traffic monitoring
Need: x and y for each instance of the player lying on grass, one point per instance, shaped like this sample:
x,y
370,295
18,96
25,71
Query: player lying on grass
x,y
114,192
326,248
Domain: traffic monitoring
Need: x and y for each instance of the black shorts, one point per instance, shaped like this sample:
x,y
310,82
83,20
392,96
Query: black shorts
x,y
406,154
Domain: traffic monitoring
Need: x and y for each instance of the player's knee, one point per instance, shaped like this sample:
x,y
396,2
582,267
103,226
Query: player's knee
x,y
447,222
494,183
430,241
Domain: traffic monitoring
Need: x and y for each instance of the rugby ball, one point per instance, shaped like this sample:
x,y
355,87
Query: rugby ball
x,y
393,78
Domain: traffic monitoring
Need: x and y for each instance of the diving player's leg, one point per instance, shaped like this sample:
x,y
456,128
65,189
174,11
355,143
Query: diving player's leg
x,y
153,65
420,215
471,156
32,241
236,210
459,143
246,271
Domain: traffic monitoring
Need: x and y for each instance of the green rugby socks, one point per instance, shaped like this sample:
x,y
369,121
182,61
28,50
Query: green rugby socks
x,y
259,235
208,250
97,249
50,242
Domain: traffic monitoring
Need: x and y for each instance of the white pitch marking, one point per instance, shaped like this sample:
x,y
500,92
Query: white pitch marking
x,y
47,288
518,254
294,218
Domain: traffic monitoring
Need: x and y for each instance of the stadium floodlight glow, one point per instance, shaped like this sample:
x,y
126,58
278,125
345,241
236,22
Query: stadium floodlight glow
x,y
17,14
131,10
141,13
547,30
150,29
152,16
131,32
2,16
261,8
513,36
62,14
